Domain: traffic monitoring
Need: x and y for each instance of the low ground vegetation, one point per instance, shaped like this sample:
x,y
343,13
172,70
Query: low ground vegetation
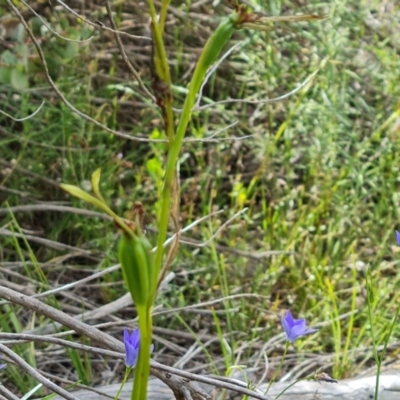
x,y
316,173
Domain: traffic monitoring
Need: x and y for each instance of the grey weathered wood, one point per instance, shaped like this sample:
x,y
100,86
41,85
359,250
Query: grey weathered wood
x,y
158,390
350,389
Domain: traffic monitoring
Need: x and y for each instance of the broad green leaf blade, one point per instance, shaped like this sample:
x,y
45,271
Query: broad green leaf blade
x,y
19,79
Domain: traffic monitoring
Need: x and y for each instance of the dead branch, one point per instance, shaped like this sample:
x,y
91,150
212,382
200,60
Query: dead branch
x,y
60,94
113,344
35,374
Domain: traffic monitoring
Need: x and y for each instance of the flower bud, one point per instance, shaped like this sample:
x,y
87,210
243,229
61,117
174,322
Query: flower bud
x,y
134,257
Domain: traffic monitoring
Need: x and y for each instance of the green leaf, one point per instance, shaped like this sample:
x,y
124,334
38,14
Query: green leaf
x,y
99,203
71,50
5,74
8,57
73,33
81,194
23,52
18,33
154,168
86,33
19,79
64,23
36,25
54,61
95,184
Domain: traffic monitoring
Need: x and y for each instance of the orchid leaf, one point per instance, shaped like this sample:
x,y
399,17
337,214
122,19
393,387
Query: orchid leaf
x,y
81,194
96,184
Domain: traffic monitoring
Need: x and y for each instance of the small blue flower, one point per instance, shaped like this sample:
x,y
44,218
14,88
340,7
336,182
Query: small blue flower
x,y
2,365
295,328
132,344
398,237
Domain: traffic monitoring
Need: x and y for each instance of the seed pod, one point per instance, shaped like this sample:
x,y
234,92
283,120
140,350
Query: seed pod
x,y
216,42
147,247
211,51
133,259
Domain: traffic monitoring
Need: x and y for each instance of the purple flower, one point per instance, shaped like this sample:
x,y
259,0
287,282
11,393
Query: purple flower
x,y
2,365
295,328
132,344
398,237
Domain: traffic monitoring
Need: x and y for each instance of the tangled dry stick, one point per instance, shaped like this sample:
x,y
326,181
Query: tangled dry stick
x,y
184,385
180,382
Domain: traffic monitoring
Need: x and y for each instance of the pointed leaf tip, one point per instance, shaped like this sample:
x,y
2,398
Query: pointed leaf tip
x,y
96,184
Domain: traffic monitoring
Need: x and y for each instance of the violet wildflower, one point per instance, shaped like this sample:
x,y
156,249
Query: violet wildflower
x,y
2,365
398,237
295,328
132,344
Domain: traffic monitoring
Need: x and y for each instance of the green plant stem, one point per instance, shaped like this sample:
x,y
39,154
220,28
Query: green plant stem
x,y
127,372
142,371
370,297
379,364
161,61
169,123
197,79
210,53
279,368
161,64
163,14
351,320
287,388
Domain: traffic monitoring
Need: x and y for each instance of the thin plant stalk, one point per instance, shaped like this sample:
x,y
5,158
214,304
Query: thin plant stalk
x,y
370,301
161,63
161,54
163,14
127,372
287,388
378,359
279,368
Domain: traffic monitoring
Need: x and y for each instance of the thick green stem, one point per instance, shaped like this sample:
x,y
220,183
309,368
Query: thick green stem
x,y
142,371
210,53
